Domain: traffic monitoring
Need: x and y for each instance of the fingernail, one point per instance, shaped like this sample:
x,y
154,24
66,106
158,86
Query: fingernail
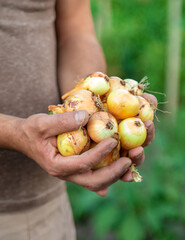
x,y
80,117
113,144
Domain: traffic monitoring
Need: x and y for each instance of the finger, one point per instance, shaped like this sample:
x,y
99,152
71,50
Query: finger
x,y
150,127
127,177
102,192
137,155
150,98
103,177
84,162
56,124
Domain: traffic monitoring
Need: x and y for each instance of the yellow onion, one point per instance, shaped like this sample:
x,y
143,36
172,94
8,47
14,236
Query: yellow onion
x,y
132,133
73,143
110,158
83,100
115,83
53,109
97,82
146,112
134,87
122,104
101,125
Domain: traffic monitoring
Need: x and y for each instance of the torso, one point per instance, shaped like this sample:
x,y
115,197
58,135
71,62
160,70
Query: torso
x,y
28,85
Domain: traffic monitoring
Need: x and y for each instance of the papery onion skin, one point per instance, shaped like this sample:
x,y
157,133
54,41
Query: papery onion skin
x,y
73,143
122,104
53,109
115,84
146,112
134,87
109,159
82,100
101,125
132,133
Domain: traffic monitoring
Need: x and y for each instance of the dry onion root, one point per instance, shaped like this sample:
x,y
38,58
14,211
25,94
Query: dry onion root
x,y
134,87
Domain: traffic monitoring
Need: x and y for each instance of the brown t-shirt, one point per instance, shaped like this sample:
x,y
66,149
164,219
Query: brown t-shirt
x,y
27,86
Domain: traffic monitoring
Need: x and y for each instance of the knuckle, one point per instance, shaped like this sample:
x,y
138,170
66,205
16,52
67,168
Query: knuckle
x,y
39,124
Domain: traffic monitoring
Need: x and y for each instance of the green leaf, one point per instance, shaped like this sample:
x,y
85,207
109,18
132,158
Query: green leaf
x,y
131,228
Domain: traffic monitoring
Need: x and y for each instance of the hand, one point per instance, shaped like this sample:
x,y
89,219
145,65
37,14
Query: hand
x,y
137,154
38,141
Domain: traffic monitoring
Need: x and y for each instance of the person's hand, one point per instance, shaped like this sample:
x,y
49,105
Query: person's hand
x,y
38,141
137,154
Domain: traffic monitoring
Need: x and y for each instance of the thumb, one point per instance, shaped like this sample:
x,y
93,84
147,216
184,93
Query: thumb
x,y
65,122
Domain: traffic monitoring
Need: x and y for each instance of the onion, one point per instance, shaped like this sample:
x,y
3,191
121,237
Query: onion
x,y
115,83
73,143
97,82
134,87
102,125
53,109
122,104
110,158
83,100
146,112
132,133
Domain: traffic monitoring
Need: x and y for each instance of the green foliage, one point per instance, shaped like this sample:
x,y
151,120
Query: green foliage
x,y
135,46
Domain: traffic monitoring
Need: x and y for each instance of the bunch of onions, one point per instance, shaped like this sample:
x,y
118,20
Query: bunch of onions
x,y
120,103
73,143
97,82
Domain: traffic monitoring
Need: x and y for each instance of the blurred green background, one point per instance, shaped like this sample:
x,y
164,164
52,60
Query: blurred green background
x,y
135,36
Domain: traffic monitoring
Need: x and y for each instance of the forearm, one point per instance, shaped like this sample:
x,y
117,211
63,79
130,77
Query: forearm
x,y
10,134
78,56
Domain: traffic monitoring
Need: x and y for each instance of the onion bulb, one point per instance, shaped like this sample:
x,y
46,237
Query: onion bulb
x,y
97,82
132,133
115,83
53,109
122,104
102,125
110,158
146,112
83,100
73,143
134,87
